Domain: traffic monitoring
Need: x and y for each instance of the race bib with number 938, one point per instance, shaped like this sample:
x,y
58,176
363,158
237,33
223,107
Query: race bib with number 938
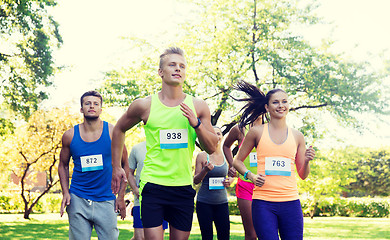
x,y
91,163
173,138
278,166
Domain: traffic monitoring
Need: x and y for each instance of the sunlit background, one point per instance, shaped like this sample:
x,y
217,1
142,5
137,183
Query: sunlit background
x,y
92,32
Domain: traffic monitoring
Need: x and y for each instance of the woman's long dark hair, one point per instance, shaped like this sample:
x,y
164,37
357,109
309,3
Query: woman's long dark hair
x,y
255,106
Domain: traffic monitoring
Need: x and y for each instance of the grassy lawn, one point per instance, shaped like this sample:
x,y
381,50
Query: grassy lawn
x,y
51,226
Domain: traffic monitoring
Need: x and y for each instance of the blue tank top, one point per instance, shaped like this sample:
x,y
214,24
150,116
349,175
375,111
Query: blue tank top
x,y
92,170
213,196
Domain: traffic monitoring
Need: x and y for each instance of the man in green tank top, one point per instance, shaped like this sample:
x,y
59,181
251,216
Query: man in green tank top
x,y
172,121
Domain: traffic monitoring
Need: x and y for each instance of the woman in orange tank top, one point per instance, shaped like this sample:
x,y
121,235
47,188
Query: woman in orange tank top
x,y
276,208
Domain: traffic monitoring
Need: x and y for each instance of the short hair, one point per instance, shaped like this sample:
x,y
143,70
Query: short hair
x,y
91,93
168,51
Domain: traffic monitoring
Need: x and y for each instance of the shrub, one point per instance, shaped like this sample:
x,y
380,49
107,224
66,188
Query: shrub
x,y
350,207
12,202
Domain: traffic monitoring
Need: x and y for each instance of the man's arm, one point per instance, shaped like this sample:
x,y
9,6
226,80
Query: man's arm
x,y
136,112
132,166
120,204
205,132
132,183
63,169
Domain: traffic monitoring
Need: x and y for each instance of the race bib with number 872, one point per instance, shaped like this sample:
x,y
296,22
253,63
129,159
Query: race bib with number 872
x,y
91,163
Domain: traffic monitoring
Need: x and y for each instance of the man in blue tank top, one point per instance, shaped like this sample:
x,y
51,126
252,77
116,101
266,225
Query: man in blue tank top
x,y
89,201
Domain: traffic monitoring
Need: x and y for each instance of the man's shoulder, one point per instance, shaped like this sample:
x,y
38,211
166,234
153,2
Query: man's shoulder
x,y
142,102
144,99
68,136
198,102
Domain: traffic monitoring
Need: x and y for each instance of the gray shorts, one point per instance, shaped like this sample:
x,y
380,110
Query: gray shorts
x,y
85,214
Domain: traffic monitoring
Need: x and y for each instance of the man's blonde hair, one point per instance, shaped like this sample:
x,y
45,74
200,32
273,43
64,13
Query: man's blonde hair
x,y
169,51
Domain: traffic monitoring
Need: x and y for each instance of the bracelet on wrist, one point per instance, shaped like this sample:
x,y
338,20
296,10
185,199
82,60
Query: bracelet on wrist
x,y
197,125
246,174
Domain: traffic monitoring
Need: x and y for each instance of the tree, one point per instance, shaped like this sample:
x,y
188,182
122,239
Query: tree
x,y
253,40
330,172
28,35
35,147
371,173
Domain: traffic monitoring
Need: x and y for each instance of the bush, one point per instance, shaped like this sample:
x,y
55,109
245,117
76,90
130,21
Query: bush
x,y
349,207
233,207
12,202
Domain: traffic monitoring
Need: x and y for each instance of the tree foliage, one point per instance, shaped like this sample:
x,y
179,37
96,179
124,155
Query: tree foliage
x,y
371,173
347,172
253,40
28,35
33,148
330,172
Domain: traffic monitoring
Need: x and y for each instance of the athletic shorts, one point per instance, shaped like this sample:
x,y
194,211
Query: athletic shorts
x,y
244,190
84,215
137,223
269,218
175,204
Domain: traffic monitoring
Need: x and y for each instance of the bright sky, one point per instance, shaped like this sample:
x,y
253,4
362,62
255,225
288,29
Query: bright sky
x,y
91,31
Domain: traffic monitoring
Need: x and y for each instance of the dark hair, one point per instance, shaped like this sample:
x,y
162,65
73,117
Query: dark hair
x,y
256,101
168,51
91,93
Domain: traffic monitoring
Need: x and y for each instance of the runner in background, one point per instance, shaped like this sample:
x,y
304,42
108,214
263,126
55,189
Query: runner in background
x,y
89,201
136,163
212,202
244,187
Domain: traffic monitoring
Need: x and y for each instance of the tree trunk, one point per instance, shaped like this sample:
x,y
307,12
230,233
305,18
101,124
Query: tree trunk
x,y
27,211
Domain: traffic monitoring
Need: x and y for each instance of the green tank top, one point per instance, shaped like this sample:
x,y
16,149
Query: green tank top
x,y
250,162
170,143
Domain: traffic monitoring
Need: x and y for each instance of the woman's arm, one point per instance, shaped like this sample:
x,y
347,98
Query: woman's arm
x,y
303,156
250,141
234,135
202,167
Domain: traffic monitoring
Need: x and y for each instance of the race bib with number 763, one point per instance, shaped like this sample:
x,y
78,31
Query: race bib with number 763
x,y
278,166
173,138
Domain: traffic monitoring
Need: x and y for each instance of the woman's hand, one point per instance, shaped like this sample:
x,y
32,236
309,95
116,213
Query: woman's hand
x,y
257,179
310,154
227,182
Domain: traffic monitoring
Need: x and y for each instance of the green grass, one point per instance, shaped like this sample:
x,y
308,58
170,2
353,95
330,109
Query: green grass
x,y
51,226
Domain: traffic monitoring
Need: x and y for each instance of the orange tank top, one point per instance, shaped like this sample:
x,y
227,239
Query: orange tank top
x,y
277,162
